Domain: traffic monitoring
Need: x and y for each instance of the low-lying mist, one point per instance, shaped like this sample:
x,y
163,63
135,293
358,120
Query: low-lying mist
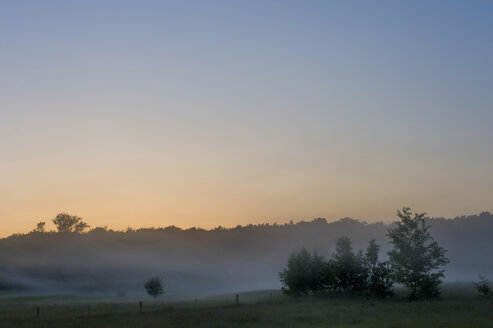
x,y
196,261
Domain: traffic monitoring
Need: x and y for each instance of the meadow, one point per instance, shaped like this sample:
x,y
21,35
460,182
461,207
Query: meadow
x,y
456,308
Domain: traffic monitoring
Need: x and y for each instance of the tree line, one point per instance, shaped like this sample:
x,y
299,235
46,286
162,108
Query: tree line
x,y
206,260
414,262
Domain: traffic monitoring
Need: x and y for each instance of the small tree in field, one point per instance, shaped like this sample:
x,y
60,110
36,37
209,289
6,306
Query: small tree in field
x,y
483,287
69,223
154,287
416,257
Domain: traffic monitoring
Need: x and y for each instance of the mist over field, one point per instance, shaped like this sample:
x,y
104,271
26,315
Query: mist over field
x,y
196,261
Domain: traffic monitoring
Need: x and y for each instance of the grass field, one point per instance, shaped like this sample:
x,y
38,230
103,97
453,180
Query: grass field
x,y
256,309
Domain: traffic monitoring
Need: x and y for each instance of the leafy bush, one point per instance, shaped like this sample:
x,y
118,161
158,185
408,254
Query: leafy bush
x,y
154,287
483,287
380,281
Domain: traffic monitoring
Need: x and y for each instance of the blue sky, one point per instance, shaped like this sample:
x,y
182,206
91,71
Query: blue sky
x,y
207,113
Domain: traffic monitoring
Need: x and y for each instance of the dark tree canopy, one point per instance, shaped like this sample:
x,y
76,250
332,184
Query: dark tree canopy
x,y
348,267
154,287
69,223
372,253
40,227
296,277
416,257
346,272
380,281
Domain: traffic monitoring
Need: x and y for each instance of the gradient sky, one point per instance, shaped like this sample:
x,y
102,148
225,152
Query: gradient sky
x,y
152,113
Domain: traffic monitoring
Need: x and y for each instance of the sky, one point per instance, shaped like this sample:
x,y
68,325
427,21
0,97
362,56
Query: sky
x,y
207,113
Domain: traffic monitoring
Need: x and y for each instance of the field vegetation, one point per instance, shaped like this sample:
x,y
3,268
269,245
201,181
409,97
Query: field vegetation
x,y
458,307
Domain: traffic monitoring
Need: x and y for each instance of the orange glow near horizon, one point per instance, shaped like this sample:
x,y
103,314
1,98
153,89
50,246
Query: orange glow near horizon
x,y
159,189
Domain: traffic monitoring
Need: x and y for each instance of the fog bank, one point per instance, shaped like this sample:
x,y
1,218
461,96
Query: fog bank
x,y
196,261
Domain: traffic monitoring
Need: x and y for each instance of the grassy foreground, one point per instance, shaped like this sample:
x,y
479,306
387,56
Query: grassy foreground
x,y
261,309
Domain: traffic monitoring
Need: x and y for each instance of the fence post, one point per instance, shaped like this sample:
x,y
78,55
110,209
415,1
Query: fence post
x,y
37,312
88,310
140,305
195,303
237,299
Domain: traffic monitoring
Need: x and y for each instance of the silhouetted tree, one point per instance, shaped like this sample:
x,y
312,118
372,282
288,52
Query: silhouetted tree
x,y
346,271
40,227
483,287
154,287
416,256
297,278
69,223
379,273
329,279
372,254
380,281
317,271
349,270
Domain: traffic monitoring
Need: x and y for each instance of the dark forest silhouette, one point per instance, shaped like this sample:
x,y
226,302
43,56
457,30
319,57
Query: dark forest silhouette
x,y
218,260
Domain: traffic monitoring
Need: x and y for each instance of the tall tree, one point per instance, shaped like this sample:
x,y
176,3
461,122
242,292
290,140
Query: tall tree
x,y
379,273
317,272
348,268
416,257
297,278
69,223
372,254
